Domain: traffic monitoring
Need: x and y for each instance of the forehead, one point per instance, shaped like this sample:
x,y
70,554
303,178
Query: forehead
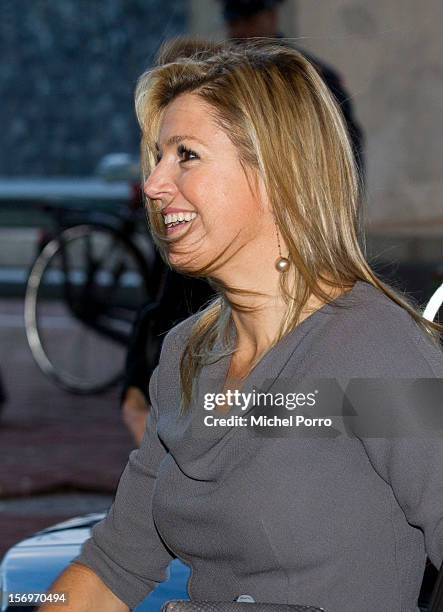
x,y
187,114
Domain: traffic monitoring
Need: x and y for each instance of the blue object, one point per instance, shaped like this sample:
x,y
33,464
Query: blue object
x,y
33,564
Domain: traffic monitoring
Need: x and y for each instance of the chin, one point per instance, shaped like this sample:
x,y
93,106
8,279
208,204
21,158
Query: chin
x,y
183,265
192,259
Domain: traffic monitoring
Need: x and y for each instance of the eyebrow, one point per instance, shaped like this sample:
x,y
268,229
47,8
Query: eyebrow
x,y
178,138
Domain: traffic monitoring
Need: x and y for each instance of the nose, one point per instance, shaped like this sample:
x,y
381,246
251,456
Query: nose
x,y
160,185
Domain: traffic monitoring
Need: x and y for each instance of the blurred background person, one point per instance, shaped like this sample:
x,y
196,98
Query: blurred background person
x,y
182,297
255,18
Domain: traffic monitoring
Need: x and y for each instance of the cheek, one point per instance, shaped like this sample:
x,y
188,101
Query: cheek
x,y
208,197
223,199
197,190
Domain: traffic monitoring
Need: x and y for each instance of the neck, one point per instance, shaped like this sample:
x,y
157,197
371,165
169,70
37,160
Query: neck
x,y
258,327
257,318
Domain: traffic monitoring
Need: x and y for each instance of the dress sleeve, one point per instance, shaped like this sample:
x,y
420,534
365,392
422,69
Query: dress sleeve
x,y
414,470
400,424
125,549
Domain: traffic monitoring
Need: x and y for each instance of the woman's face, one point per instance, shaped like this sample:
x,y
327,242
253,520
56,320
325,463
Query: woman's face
x,y
199,177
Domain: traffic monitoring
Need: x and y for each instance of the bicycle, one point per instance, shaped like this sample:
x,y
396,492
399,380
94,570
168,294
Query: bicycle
x,y
83,292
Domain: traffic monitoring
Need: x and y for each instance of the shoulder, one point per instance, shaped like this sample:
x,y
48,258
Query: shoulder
x,y
165,382
374,336
176,338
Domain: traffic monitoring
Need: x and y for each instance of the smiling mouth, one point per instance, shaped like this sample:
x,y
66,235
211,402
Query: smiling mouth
x,y
175,223
173,220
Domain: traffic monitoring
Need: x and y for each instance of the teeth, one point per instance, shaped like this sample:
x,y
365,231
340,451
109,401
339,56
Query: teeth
x,y
178,217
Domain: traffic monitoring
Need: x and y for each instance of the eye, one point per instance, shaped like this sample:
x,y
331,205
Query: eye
x,y
186,154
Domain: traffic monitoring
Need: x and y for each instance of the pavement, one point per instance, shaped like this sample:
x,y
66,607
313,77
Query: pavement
x,y
53,445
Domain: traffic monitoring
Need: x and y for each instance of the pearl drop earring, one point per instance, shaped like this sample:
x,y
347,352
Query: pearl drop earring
x,y
281,263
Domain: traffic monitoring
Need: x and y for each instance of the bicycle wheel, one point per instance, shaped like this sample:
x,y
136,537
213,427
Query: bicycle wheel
x,y
82,297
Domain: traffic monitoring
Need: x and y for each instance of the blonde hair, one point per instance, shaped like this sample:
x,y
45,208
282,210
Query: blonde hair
x,y
269,98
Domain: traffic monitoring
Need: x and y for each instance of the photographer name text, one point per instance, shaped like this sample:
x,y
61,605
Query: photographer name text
x,y
251,420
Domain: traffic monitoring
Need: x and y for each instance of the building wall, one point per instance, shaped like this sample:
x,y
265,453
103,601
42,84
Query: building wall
x,y
389,53
69,69
67,78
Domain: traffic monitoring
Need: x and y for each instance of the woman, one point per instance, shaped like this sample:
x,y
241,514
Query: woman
x,y
251,183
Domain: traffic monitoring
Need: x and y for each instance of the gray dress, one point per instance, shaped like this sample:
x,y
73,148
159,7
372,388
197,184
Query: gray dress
x,y
340,521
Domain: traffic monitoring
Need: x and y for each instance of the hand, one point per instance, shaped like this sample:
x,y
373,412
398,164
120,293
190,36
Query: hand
x,y
135,410
85,592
